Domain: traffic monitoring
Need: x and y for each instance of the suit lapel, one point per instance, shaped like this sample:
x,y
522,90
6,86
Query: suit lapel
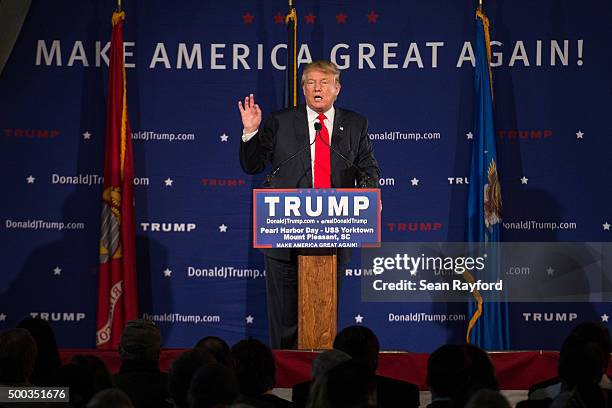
x,y
302,139
336,139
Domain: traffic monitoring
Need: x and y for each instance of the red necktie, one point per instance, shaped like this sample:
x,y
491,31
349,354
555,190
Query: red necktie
x,y
322,166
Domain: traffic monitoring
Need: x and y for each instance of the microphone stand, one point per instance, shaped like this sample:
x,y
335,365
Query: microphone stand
x,y
270,177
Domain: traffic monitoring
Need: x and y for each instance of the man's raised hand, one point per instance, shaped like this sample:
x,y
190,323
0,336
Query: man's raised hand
x,y
250,114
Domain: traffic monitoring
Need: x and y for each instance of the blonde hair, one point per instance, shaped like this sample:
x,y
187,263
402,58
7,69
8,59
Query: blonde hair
x,y
322,65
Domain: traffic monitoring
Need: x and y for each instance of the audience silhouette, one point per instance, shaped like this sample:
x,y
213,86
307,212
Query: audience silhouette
x,y
110,398
139,375
321,365
213,386
214,375
48,363
17,357
182,372
362,345
457,371
256,372
218,348
582,379
486,398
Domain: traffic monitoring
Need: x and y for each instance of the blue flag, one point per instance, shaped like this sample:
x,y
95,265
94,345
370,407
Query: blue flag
x,y
488,325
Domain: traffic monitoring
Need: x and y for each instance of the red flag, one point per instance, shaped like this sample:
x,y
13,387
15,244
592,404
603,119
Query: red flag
x,y
117,294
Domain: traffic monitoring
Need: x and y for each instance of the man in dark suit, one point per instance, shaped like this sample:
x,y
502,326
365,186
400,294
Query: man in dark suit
x,y
302,157
361,344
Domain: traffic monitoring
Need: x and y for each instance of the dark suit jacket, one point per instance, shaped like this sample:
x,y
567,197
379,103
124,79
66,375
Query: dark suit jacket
x,y
440,404
146,386
286,133
299,394
390,393
264,401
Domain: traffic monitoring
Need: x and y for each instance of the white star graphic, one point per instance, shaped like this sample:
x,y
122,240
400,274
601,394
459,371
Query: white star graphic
x,y
249,319
469,135
550,271
222,228
168,182
57,270
167,273
359,319
414,181
579,134
2,317
224,137
606,226
86,135
30,179
604,318
524,180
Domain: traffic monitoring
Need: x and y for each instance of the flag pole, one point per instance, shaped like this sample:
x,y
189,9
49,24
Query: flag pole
x,y
291,96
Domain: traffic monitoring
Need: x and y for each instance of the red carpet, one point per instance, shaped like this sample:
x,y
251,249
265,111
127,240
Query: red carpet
x,y
515,370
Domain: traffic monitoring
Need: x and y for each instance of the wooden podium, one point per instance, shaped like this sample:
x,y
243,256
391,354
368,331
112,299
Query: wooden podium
x,y
317,299
315,222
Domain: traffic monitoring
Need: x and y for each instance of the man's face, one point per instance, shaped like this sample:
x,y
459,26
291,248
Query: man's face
x,y
320,90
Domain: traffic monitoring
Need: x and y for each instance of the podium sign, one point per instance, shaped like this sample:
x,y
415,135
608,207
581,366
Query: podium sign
x,y
316,218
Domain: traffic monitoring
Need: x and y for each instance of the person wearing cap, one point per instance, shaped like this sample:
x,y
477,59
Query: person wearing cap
x,y
139,375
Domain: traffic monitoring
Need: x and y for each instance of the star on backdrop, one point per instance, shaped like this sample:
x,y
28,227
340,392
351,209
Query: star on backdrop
x,y
310,18
279,18
372,17
248,18
341,18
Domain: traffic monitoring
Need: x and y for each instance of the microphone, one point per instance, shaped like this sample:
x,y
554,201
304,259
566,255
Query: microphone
x,y
270,177
365,177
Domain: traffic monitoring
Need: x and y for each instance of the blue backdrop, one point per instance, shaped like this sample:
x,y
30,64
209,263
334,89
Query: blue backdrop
x,y
406,65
